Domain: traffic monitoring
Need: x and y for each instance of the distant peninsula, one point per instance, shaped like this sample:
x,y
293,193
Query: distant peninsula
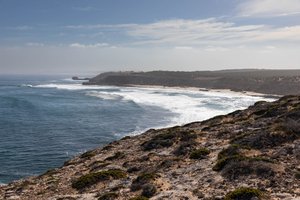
x,y
275,82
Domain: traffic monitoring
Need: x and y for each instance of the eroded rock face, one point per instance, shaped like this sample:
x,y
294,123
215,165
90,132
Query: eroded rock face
x,y
253,153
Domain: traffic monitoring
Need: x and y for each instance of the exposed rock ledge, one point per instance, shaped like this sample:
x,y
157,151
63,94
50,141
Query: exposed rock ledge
x,y
249,154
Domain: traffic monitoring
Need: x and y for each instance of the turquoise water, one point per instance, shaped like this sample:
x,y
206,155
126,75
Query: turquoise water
x,y
46,120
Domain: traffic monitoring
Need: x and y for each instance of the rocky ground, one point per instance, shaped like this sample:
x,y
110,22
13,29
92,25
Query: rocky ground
x,y
249,154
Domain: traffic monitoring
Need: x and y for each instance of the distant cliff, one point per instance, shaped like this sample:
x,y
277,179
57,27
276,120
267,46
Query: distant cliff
x,y
245,155
280,82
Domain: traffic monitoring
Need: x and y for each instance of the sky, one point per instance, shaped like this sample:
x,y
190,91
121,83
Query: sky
x,y
92,36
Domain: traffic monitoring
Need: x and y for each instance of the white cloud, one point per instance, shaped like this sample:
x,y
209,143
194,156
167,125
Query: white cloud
x,y
96,45
269,8
194,33
101,26
210,32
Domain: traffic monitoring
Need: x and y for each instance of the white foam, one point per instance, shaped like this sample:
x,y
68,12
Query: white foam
x,y
26,85
76,86
104,95
187,105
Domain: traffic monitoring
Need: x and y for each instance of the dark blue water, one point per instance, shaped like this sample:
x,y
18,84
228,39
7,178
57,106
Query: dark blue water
x,y
42,127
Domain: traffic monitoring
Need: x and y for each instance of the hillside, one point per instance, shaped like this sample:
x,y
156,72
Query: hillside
x,y
248,154
262,81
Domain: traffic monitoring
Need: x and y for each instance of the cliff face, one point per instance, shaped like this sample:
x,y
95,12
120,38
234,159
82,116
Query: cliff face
x,y
248,154
261,81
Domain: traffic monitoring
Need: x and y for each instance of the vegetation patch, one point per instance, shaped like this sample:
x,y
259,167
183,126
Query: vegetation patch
x,y
167,163
244,194
232,150
246,167
266,139
142,180
168,138
133,169
221,163
93,178
185,148
116,156
199,153
108,196
98,165
88,155
149,190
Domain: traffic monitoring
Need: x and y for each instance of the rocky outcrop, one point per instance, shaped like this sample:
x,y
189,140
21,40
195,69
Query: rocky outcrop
x,y
247,154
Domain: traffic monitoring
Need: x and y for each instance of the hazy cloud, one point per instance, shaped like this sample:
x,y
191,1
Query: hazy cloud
x,y
210,32
268,8
194,33
78,45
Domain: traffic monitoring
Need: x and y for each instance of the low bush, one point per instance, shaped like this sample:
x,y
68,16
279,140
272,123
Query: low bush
x,y
185,148
117,155
168,138
221,163
149,190
232,150
261,169
93,178
244,194
142,180
88,154
199,153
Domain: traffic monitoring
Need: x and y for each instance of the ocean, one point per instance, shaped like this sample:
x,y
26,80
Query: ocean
x,y
46,120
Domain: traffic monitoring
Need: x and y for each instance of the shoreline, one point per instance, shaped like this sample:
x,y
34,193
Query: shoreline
x,y
229,91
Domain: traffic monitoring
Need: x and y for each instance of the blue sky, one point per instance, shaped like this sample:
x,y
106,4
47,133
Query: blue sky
x,y
90,36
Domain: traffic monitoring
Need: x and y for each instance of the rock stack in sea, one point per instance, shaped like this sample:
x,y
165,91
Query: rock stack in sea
x,y
247,154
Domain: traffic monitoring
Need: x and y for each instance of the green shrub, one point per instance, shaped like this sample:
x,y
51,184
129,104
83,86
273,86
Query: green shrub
x,y
118,155
221,163
232,150
93,178
199,153
243,194
185,148
160,141
108,196
149,190
88,154
168,138
142,180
